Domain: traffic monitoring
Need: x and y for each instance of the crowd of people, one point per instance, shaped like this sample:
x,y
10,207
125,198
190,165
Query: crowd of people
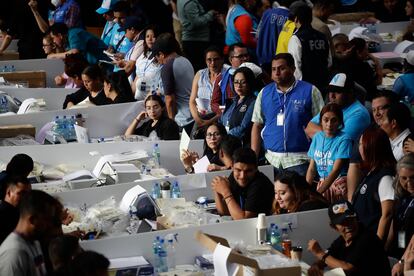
x,y
262,82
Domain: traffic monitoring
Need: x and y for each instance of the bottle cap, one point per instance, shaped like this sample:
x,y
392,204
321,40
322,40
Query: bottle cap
x,y
261,221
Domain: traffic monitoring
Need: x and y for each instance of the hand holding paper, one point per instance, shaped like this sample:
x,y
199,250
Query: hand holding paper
x,y
201,165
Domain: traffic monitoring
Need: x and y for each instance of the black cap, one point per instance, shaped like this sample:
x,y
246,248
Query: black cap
x,y
341,210
133,22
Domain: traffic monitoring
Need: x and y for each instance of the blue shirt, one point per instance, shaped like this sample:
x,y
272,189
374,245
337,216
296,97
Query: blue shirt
x,y
404,86
107,32
356,120
89,45
325,150
119,42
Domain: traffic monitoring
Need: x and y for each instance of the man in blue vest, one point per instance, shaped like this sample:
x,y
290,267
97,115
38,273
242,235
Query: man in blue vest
x,y
356,116
310,49
269,29
283,109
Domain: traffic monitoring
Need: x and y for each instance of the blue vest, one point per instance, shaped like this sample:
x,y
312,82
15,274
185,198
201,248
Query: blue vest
x,y
297,108
225,80
366,199
232,35
59,15
408,80
268,33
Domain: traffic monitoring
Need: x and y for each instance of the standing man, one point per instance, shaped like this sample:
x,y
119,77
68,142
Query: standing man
x,y
16,186
246,192
177,75
310,49
269,29
108,14
283,109
195,30
223,86
20,252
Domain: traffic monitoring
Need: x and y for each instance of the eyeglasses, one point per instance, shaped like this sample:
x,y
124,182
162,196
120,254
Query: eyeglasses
x,y
405,179
240,83
214,134
211,60
380,108
241,56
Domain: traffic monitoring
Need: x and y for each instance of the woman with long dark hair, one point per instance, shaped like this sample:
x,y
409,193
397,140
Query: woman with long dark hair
x,y
215,132
373,199
164,127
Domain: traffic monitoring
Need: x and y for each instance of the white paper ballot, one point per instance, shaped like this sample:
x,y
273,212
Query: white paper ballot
x,y
201,165
81,134
202,104
221,266
127,262
184,142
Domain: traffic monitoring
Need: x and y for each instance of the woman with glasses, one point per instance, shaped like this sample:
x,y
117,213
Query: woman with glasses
x,y
403,220
215,132
237,118
164,127
202,90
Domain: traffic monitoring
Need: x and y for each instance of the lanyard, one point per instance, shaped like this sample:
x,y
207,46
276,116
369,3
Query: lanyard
x,y
408,207
119,43
108,31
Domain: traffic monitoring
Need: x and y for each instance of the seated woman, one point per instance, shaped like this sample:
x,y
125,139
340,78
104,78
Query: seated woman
x,y
238,116
147,70
202,90
330,152
374,197
164,127
92,90
117,88
293,194
403,220
214,134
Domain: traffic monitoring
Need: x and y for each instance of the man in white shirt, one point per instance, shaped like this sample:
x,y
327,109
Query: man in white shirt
x,y
396,123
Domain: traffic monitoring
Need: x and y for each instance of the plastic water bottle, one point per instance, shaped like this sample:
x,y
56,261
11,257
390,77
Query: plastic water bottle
x,y
4,105
133,220
176,192
275,238
171,253
156,154
71,129
57,125
162,257
12,69
155,245
156,191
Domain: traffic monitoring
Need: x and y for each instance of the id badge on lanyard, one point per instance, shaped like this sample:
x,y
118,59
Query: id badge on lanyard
x,y
280,118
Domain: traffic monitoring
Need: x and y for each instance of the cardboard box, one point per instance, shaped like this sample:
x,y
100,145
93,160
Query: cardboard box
x,y
14,130
9,55
33,79
351,17
250,266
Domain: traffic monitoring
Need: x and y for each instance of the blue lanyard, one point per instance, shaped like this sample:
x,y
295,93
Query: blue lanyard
x,y
241,203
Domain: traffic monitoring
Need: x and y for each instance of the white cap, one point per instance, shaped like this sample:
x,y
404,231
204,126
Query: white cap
x,y
256,69
409,57
338,80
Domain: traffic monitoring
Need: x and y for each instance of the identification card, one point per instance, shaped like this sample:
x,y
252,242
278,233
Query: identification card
x,y
280,119
401,239
143,87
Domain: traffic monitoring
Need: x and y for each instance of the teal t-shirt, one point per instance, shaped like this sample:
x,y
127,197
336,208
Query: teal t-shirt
x,y
89,45
325,150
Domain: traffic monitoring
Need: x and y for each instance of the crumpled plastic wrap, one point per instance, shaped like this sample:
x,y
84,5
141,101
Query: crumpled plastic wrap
x,y
104,217
20,140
